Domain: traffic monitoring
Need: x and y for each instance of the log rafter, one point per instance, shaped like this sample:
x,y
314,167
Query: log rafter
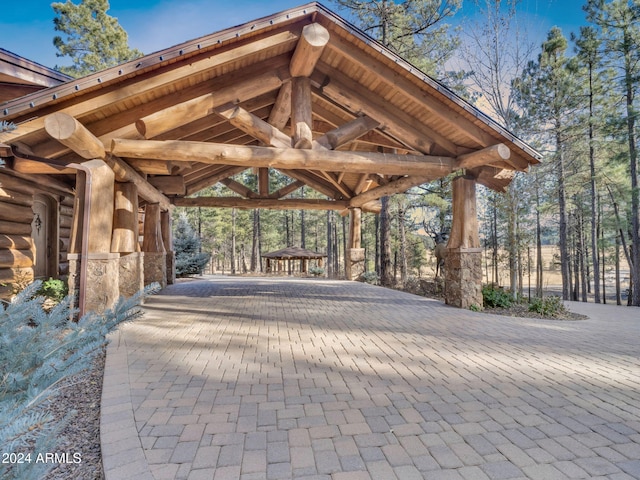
x,y
71,133
353,96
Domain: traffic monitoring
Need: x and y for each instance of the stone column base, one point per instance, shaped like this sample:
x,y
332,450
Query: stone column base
x,y
131,272
155,268
171,267
102,287
463,277
355,263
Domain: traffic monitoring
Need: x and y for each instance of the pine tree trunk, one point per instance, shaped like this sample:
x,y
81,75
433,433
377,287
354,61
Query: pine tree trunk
x,y
581,253
603,251
377,244
562,205
256,264
634,266
233,241
617,259
329,246
385,244
403,243
539,262
496,277
512,240
592,169
303,225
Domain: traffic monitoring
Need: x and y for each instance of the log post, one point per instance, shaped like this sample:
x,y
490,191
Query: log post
x,y
301,117
167,240
463,261
355,252
155,263
91,262
125,239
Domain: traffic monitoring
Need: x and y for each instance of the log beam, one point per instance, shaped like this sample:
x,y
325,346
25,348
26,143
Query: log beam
x,y
265,203
126,173
352,95
286,190
317,183
71,133
309,49
338,185
31,167
485,156
238,188
152,167
212,179
285,158
254,126
397,186
348,132
169,184
281,110
199,107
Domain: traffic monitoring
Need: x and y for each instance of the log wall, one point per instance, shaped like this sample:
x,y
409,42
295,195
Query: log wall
x,y
17,250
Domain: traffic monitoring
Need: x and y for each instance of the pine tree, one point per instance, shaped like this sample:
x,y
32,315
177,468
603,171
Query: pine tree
x,y
186,244
590,58
414,29
92,39
619,24
545,91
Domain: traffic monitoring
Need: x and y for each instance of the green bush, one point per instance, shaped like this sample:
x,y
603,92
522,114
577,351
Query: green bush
x,y
494,297
56,290
547,306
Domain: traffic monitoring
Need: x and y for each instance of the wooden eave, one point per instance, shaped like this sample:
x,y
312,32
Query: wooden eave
x,y
248,66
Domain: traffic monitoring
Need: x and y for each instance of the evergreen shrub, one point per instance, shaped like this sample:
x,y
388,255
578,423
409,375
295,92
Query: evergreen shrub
x,y
495,297
38,349
54,289
370,277
316,271
186,245
547,306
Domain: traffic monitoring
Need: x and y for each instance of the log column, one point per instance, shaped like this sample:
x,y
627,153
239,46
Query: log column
x,y
167,240
463,261
355,252
155,262
93,275
125,239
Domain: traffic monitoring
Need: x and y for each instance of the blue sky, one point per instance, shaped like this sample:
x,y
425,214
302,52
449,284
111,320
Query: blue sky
x,y
26,26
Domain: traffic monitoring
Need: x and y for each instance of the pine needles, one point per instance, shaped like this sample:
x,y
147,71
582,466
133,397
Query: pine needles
x,y
38,349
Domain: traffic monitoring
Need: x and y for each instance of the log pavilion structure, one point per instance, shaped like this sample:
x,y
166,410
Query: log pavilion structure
x,y
301,91
290,254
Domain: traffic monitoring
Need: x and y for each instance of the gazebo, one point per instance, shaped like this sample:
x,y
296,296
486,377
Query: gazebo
x,y
292,253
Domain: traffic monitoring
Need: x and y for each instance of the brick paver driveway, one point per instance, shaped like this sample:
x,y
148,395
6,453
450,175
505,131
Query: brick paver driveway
x,y
282,378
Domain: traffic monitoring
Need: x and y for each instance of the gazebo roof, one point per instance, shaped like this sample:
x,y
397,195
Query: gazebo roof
x,y
294,253
301,91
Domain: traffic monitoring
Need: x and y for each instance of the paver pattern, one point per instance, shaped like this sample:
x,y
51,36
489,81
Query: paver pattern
x,y
250,378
